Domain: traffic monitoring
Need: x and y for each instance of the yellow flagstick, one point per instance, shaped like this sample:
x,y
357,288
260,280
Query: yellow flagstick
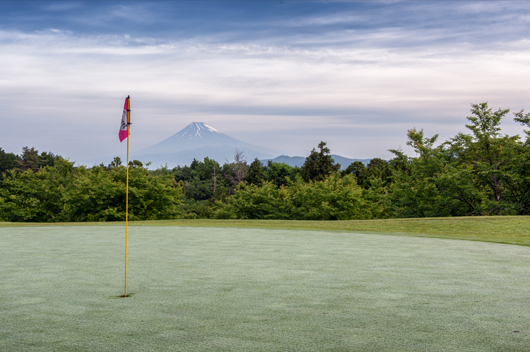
x,y
127,190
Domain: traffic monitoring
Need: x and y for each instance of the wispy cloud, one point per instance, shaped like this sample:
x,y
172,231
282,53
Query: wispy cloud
x,y
356,86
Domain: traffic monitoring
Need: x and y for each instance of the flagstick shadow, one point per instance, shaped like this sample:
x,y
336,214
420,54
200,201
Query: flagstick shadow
x,y
123,296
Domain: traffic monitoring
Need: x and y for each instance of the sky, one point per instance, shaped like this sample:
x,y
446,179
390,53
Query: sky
x,y
280,74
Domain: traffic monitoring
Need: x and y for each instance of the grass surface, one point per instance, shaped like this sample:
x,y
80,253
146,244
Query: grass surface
x,y
226,289
498,229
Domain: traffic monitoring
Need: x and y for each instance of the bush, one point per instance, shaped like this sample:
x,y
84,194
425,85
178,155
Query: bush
x,y
334,198
64,193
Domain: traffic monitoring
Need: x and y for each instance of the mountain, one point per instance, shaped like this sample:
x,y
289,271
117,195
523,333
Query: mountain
x,y
196,141
200,135
299,160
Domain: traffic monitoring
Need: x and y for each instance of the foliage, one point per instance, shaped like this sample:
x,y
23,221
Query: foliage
x,y
334,198
255,174
192,209
482,173
200,179
35,196
8,161
280,173
30,159
376,168
357,169
433,185
319,164
254,202
375,196
64,193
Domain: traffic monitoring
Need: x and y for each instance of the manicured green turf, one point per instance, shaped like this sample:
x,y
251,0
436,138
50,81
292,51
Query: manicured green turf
x,y
227,289
498,229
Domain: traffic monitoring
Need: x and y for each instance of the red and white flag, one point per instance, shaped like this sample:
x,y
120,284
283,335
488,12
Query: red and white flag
x,y
125,119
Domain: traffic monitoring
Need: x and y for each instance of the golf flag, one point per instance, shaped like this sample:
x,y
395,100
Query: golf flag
x,y
124,133
125,119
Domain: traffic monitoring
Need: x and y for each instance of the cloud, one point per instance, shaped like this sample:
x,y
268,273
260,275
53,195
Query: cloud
x,y
359,89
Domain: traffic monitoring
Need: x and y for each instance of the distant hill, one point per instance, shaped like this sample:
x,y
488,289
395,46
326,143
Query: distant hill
x,y
220,154
299,160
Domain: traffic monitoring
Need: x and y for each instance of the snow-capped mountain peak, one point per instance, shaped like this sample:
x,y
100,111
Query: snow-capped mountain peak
x,y
196,130
200,140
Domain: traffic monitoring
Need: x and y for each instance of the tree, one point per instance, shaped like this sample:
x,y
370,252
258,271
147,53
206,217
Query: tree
x,y
200,178
31,160
485,150
434,183
523,119
239,168
115,163
400,162
485,172
214,178
378,168
135,164
517,180
356,169
280,173
255,173
8,161
319,164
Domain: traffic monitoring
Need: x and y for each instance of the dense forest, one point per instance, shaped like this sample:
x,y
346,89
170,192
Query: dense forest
x,y
481,172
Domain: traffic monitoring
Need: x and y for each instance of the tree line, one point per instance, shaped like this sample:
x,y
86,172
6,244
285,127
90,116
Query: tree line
x,y
481,172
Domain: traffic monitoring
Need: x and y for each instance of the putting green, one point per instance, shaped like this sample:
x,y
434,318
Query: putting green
x,y
226,289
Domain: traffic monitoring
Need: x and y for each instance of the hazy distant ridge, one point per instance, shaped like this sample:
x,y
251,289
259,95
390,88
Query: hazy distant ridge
x,y
299,160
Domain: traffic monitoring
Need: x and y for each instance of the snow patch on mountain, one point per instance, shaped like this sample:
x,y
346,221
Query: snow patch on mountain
x,y
193,130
